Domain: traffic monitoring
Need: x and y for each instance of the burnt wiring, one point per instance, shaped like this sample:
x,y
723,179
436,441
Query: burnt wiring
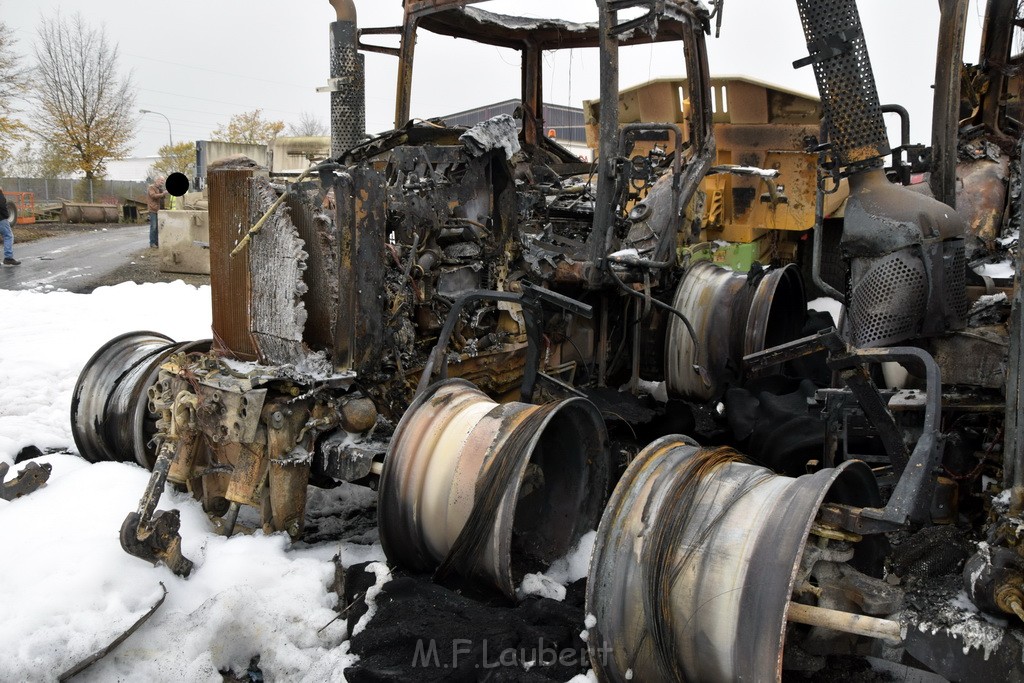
x,y
697,348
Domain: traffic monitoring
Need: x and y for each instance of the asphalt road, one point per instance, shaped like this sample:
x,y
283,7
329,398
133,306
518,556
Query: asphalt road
x,y
74,261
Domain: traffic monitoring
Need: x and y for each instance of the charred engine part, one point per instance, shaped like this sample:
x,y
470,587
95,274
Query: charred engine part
x,y
994,580
236,434
946,102
31,477
734,315
915,471
348,81
531,300
489,490
111,418
906,252
907,264
701,558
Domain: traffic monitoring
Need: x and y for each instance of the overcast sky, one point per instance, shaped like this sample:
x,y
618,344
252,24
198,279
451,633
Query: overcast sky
x,y
200,61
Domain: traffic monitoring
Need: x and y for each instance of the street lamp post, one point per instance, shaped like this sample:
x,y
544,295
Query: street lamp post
x,y
170,136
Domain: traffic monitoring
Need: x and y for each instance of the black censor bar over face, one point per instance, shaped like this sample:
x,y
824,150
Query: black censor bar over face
x,y
177,184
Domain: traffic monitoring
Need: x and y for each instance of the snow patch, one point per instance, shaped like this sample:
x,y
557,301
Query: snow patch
x,y
383,576
829,305
67,588
1001,270
576,563
542,586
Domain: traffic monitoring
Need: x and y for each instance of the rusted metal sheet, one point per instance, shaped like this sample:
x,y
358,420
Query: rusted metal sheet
x,y
981,196
973,357
360,268
368,264
231,193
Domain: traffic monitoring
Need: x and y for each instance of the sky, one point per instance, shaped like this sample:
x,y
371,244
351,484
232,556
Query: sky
x,y
200,61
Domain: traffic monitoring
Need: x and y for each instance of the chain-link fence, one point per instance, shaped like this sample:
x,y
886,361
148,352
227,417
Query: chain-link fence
x,y
80,190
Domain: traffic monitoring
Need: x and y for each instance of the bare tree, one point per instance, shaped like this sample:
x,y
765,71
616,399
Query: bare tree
x,y
309,126
85,112
249,128
13,85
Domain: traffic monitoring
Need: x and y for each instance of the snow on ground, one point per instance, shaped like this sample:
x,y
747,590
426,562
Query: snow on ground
x,y
1001,270
833,307
46,339
66,586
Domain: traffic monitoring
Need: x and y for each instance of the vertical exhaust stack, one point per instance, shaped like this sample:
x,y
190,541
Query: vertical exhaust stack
x,y
905,250
348,80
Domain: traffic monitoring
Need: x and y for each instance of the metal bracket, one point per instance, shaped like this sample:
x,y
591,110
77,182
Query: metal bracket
x,y
911,498
828,47
154,537
28,480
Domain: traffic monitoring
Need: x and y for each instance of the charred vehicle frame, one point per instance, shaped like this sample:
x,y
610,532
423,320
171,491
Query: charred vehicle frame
x,y
532,284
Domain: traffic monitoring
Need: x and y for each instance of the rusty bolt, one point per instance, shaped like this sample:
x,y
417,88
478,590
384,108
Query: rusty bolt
x,y
1010,599
276,419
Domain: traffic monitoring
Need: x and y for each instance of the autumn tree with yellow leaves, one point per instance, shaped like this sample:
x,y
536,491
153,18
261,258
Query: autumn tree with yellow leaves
x,y
249,128
177,158
84,105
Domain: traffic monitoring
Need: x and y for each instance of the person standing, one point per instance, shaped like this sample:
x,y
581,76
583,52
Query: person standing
x,y
6,232
154,196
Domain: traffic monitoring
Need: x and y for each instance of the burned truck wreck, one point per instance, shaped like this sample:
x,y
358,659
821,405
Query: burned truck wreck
x,y
472,322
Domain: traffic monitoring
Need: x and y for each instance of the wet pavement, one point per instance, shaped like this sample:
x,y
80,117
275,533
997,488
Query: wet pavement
x,y
74,261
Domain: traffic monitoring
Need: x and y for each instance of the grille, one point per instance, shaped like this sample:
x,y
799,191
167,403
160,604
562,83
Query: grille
x,y
849,97
887,304
955,265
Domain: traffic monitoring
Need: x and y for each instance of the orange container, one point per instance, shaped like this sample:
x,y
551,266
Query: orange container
x,y
26,205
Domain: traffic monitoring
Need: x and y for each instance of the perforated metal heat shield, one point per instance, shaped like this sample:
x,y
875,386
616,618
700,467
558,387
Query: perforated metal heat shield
x,y
348,103
893,298
846,83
